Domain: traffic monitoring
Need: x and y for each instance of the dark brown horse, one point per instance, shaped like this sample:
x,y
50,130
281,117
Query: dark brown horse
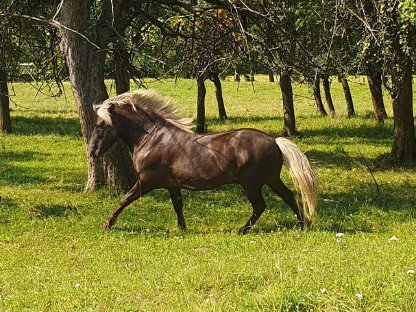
x,y
167,154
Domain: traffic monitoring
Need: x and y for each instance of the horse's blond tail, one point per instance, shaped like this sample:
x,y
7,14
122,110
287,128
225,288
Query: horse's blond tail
x,y
303,176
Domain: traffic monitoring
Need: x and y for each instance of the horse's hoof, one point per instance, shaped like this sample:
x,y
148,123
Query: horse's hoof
x,y
182,228
244,230
107,225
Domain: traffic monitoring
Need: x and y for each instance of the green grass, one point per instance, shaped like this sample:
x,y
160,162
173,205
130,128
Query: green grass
x,y
55,257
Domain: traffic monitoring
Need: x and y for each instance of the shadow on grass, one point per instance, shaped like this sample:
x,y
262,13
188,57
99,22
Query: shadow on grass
x,y
356,209
341,159
11,175
50,211
6,203
21,156
366,210
241,119
368,132
44,126
8,207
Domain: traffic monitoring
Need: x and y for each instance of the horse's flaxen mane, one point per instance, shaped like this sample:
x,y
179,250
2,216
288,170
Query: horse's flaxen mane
x,y
149,101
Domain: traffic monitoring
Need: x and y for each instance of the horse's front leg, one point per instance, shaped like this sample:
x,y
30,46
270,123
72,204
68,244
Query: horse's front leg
x,y
137,191
175,195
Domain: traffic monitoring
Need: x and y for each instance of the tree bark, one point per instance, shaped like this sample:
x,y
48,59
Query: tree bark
x,y
200,113
5,120
347,95
375,85
288,107
271,76
236,76
121,65
404,142
328,97
218,94
318,97
86,73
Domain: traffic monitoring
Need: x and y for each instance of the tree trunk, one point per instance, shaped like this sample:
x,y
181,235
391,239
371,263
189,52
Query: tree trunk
x,y
288,107
86,73
317,96
375,84
218,93
404,142
5,120
236,75
347,94
121,65
271,76
200,113
328,97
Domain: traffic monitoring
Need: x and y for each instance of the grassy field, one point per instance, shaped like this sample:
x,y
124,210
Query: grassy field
x,y
55,256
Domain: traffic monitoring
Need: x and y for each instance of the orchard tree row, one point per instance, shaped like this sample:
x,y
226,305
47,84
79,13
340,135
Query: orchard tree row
x,y
86,41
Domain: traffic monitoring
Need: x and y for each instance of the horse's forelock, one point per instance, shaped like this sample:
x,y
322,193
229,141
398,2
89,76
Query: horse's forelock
x,y
103,112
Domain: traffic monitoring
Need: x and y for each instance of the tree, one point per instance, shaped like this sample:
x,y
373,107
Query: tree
x,y
274,37
375,84
215,78
317,95
5,120
200,107
288,107
121,64
328,97
28,39
347,94
296,38
402,35
207,44
391,25
86,33
370,56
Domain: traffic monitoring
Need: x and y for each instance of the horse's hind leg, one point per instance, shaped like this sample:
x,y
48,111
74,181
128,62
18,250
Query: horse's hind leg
x,y
136,192
282,191
176,196
257,202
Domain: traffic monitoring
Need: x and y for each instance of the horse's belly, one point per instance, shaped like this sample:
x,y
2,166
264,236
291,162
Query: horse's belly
x,y
200,185
205,180
204,172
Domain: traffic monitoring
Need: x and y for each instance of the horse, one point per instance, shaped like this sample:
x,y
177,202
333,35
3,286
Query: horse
x,y
167,154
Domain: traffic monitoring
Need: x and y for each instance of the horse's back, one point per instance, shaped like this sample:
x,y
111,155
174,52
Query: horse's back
x,y
252,153
247,142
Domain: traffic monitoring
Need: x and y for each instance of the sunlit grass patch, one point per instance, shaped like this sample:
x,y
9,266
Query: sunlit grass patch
x,y
56,257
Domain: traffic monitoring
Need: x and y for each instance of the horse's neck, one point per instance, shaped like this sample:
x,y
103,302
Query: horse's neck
x,y
135,135
162,133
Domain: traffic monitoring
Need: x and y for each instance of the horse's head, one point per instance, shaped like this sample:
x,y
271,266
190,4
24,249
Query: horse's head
x,y
105,132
